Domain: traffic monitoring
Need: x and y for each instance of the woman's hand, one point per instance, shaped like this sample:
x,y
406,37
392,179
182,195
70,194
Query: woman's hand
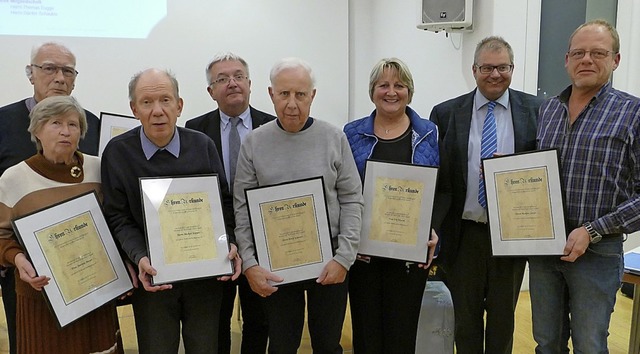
x,y
28,274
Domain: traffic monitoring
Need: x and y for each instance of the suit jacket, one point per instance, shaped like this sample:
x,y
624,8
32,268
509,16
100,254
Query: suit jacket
x,y
453,118
15,140
209,124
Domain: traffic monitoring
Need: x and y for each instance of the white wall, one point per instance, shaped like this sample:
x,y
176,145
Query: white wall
x,y
440,63
627,76
342,40
193,31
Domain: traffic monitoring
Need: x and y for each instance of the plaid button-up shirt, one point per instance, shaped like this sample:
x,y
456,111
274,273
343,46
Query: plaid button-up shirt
x,y
599,158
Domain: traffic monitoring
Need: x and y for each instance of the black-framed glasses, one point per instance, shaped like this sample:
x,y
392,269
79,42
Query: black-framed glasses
x,y
226,79
594,54
488,69
52,69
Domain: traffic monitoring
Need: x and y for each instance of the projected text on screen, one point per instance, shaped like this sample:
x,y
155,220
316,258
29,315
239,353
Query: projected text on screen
x,y
87,18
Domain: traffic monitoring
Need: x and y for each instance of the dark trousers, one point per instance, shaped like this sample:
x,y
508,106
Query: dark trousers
x,y
326,310
194,304
385,299
479,283
254,319
8,284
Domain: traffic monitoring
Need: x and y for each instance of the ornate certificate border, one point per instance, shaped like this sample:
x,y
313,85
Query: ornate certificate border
x,y
112,125
398,202
184,227
70,243
524,204
290,225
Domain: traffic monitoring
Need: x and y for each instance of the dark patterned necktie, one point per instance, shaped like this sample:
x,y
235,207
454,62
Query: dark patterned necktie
x,y
234,149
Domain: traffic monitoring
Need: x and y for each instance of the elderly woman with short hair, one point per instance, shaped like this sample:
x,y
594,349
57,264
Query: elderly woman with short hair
x,y
56,173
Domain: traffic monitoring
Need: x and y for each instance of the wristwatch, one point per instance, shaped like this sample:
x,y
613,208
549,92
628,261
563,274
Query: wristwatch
x,y
593,234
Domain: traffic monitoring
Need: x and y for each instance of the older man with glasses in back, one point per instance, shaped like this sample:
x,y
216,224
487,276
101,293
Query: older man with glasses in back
x,y
52,72
230,86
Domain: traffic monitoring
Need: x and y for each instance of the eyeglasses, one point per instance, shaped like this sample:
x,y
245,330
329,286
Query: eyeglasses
x,y
226,79
488,69
51,69
594,54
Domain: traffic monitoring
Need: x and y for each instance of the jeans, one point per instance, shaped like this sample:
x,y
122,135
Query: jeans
x,y
575,299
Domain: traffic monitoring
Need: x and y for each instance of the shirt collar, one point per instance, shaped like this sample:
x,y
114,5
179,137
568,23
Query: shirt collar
x,y
30,102
564,95
481,101
243,116
149,148
307,124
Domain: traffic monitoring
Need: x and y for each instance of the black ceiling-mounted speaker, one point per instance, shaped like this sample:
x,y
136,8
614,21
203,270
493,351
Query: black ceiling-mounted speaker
x,y
445,15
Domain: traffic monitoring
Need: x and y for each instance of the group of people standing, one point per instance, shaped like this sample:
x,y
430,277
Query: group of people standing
x,y
594,127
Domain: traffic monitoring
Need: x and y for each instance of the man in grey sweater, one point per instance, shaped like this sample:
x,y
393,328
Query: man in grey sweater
x,y
294,147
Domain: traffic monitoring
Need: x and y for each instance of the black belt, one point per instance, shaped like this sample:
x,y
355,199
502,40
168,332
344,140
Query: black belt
x,y
474,222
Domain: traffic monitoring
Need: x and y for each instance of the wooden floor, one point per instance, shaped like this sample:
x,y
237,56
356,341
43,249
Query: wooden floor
x,y
618,339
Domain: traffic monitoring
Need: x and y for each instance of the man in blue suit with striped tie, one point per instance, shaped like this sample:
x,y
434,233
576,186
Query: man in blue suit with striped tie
x,y
491,119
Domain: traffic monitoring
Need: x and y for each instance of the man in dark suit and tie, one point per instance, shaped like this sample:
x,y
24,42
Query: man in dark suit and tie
x,y
230,86
491,119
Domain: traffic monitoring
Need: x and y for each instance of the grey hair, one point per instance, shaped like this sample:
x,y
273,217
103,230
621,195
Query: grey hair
x,y
36,50
495,44
291,63
135,78
228,56
51,107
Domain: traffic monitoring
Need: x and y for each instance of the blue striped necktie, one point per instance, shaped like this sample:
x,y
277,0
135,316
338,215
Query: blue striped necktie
x,y
489,146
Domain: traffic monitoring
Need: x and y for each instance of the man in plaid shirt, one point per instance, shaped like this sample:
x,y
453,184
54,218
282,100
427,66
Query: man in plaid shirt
x,y
596,130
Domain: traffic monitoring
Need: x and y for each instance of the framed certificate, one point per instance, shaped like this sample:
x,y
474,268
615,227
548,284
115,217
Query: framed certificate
x,y
112,125
185,229
291,229
398,202
71,244
524,204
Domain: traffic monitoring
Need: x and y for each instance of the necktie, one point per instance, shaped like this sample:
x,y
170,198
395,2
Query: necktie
x,y
234,149
489,146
